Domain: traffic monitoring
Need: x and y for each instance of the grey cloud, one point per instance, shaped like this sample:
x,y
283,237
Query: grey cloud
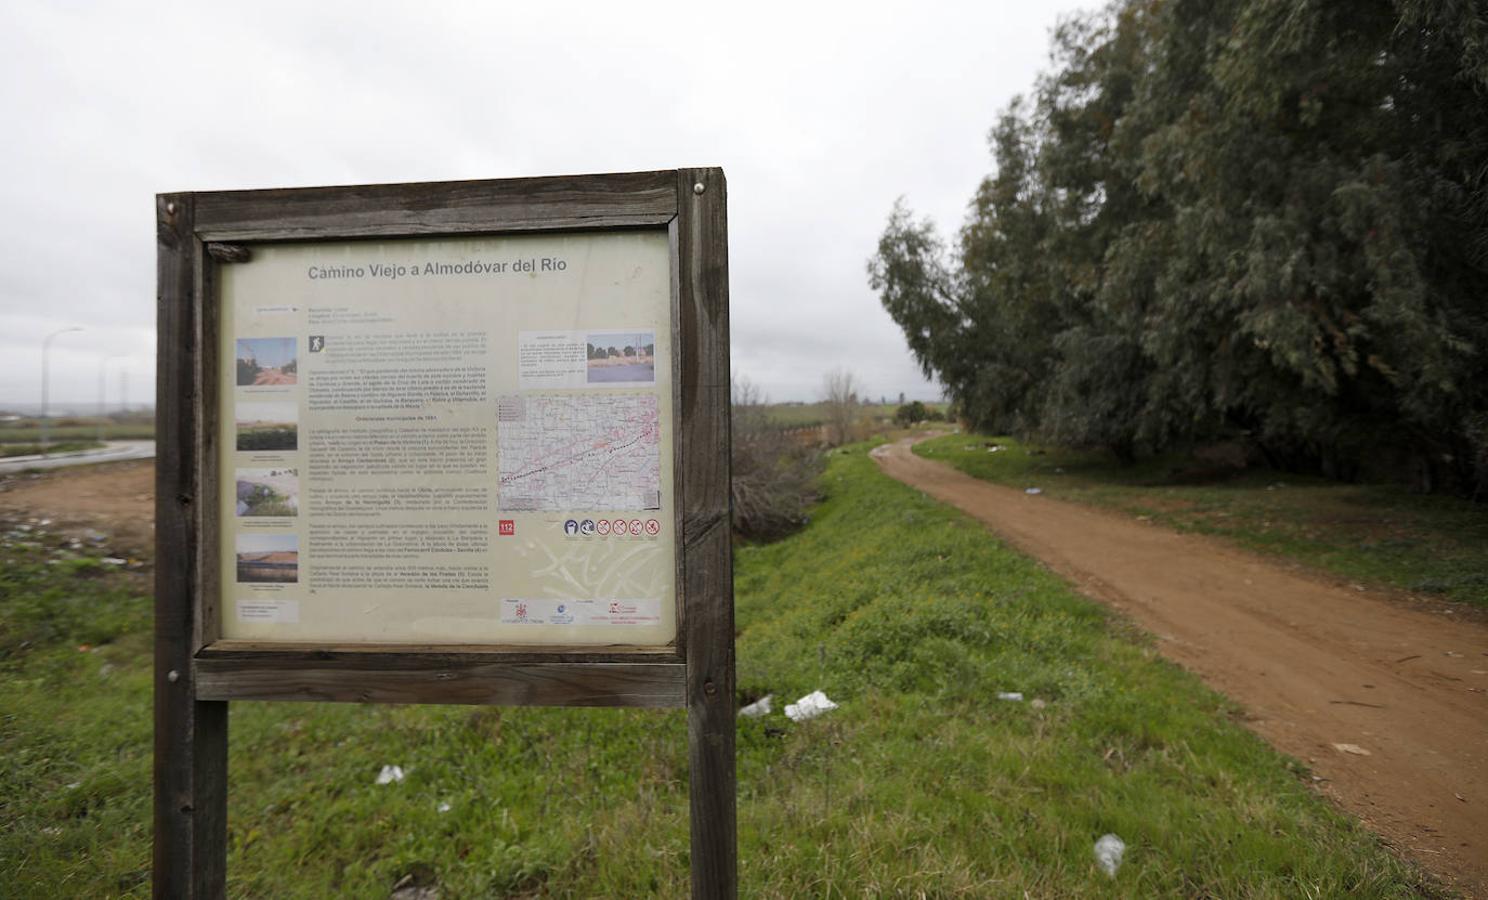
x,y
821,118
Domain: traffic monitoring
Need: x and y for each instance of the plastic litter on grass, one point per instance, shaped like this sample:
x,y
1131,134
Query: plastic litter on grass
x,y
809,707
390,774
758,708
1108,852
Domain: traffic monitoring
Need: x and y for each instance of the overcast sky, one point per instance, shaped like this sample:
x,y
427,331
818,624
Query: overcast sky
x,y
821,115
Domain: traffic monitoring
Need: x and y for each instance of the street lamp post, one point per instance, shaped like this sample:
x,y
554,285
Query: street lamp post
x,y
46,370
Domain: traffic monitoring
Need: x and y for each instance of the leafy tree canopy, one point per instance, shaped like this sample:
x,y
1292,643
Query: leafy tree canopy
x,y
1215,218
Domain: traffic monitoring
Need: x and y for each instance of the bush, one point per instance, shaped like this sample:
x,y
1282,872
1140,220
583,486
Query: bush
x,y
910,414
774,471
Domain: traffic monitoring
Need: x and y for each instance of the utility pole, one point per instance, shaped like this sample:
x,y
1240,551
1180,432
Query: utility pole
x,y
46,374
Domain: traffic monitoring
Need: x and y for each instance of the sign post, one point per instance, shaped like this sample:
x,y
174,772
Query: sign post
x,y
460,442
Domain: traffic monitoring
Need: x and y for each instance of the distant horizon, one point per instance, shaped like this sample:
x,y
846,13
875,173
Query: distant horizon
x,y
58,408
62,408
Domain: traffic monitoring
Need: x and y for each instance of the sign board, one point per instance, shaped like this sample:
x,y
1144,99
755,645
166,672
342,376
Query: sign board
x,y
442,443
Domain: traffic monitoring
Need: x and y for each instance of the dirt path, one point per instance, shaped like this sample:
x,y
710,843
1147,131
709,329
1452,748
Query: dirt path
x,y
115,498
1314,664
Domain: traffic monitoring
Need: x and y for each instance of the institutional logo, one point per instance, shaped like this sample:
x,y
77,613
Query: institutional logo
x,y
506,527
571,527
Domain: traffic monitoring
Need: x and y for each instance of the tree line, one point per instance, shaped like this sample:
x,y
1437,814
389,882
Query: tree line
x,y
1228,219
597,352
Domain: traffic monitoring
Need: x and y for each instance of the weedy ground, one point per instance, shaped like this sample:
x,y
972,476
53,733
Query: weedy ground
x,y
1375,534
922,783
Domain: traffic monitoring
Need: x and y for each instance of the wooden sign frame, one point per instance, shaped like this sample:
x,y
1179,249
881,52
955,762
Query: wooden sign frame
x,y
197,673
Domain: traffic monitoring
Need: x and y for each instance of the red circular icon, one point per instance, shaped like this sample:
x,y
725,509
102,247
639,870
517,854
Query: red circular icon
x,y
618,527
602,526
653,527
635,526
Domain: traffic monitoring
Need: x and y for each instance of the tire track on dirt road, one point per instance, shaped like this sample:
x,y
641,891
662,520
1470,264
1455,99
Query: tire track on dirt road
x,y
1314,664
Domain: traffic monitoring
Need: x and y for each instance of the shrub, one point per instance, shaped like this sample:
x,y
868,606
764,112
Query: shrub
x,y
774,471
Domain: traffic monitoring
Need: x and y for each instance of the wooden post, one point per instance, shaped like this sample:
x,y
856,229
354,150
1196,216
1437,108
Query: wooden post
x,y
190,735
708,614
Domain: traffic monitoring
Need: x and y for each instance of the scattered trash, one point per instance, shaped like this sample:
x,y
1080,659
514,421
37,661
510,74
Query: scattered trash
x,y
390,774
1014,696
996,448
1358,587
809,707
1108,852
1459,796
1038,704
1408,658
74,785
1355,749
113,561
1034,491
1452,653
758,708
443,807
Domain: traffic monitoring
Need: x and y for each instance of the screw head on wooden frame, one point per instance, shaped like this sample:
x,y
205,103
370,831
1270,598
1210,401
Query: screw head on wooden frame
x,y
699,188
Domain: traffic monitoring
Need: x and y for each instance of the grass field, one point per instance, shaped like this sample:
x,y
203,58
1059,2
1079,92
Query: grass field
x,y
112,431
805,415
267,436
923,783
9,450
1374,534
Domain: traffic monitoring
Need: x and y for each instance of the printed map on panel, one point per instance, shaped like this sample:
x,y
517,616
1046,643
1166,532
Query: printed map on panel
x,y
562,452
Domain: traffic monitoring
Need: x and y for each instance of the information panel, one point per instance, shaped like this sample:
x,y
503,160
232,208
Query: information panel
x,y
460,440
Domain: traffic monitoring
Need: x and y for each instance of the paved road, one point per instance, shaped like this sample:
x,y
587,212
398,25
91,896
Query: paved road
x,y
113,451
1315,664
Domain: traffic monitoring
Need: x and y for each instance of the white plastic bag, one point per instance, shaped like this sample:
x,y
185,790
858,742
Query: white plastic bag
x,y
809,707
758,708
390,774
1108,852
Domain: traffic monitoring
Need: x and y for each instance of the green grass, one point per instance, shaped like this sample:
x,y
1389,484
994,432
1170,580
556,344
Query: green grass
x,y
267,437
10,450
112,431
922,783
805,415
1372,534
